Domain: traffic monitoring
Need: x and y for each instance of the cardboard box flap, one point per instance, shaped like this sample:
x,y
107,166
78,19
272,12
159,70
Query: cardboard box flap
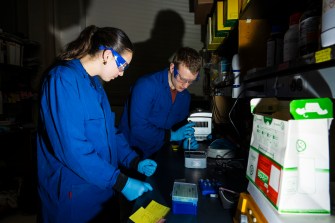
x,y
315,108
264,105
271,107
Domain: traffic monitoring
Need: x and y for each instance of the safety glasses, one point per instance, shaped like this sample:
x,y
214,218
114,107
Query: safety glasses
x,y
121,63
180,79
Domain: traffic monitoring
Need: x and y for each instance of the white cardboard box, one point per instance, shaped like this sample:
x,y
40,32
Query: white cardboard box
x,y
272,215
289,157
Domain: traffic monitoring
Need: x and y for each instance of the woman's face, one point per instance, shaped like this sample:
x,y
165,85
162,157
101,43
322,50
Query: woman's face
x,y
110,70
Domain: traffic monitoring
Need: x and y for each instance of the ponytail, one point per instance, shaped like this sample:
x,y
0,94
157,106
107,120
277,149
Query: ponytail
x,y
92,37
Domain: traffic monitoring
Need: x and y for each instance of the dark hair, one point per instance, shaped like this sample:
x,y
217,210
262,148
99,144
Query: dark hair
x,y
189,57
92,37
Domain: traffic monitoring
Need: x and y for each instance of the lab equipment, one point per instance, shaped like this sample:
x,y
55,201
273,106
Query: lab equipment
x,y
203,124
209,186
184,198
228,198
221,148
195,159
190,144
236,70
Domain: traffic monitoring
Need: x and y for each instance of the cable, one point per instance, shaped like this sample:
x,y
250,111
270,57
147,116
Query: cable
x,y
216,114
232,108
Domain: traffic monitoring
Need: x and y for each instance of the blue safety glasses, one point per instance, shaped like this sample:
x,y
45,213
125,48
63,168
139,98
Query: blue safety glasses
x,y
121,63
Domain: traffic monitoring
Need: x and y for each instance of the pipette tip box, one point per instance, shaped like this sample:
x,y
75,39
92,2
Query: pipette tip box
x,y
184,198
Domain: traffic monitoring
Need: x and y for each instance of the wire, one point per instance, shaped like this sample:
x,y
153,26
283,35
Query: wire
x,y
216,113
232,108
224,164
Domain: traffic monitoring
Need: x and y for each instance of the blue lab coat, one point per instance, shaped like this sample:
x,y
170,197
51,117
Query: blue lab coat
x,y
150,113
78,148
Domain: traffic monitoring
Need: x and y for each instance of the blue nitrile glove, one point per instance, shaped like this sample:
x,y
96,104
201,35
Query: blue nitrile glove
x,y
193,144
183,132
135,188
147,167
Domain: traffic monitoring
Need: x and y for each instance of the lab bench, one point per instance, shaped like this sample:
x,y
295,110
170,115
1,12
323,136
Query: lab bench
x,y
171,168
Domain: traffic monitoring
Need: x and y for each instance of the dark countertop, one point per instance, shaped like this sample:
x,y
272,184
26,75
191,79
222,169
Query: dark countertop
x,y
171,168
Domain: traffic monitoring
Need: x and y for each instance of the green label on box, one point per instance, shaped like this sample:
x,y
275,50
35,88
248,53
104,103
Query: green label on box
x,y
263,176
267,120
315,108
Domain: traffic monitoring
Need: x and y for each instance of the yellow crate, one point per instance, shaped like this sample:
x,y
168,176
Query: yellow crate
x,y
247,206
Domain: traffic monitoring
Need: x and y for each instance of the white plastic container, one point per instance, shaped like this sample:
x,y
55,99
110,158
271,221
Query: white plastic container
x,y
195,159
328,23
309,28
236,70
291,39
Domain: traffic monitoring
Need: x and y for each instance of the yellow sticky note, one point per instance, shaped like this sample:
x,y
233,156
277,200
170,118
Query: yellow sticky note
x,y
323,55
157,209
153,213
143,216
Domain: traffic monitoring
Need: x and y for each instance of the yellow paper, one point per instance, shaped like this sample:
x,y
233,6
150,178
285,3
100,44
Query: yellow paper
x,y
323,55
151,214
157,209
143,216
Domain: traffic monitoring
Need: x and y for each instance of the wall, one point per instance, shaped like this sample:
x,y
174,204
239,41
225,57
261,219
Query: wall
x,y
156,27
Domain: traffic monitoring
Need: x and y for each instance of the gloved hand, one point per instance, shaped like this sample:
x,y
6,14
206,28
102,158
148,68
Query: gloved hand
x,y
193,143
135,188
183,132
147,167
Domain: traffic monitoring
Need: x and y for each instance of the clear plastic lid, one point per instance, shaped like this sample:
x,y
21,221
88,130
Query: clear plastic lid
x,y
185,192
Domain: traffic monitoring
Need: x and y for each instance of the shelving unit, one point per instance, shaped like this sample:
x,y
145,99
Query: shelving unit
x,y
18,68
308,76
248,39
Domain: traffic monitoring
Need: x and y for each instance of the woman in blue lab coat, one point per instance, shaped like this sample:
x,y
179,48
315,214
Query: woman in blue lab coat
x,y
158,104
79,151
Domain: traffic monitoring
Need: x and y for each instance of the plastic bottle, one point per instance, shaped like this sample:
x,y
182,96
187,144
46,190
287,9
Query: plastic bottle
x,y
309,31
291,39
274,47
328,23
223,69
236,70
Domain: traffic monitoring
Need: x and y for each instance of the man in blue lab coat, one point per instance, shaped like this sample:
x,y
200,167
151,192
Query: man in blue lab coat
x,y
159,103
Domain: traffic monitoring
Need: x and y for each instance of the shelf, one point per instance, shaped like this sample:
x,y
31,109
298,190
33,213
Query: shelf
x,y
202,8
321,59
274,9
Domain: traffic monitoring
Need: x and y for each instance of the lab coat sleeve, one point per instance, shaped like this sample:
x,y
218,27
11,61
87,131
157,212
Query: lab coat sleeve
x,y
64,123
125,153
